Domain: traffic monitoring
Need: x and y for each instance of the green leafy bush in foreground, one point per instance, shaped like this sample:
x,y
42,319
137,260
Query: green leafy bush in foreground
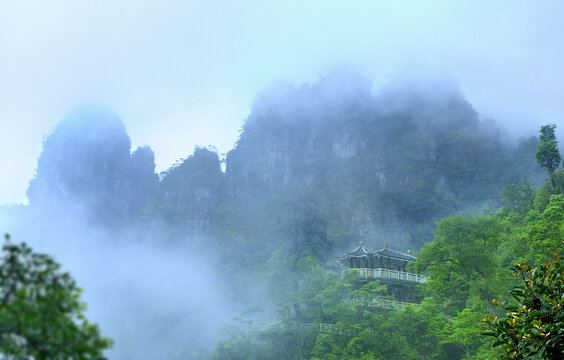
x,y
41,315
534,325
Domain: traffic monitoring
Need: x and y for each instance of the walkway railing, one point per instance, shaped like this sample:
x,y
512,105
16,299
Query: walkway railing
x,y
333,329
382,303
317,327
380,273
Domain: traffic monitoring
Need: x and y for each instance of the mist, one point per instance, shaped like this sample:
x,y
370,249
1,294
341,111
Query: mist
x,y
155,299
185,74
167,261
180,159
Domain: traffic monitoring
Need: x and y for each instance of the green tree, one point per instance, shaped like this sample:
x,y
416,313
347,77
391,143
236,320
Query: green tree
x,y
533,326
41,315
517,197
547,152
547,232
461,260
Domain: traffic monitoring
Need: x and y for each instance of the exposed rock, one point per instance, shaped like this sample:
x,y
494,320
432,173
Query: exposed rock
x,y
86,163
392,163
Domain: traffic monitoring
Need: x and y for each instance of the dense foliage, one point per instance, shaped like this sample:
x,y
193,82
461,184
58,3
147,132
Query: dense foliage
x,y
315,170
534,326
468,264
41,315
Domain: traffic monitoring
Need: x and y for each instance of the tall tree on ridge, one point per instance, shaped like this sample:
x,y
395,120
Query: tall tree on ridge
x,y
547,154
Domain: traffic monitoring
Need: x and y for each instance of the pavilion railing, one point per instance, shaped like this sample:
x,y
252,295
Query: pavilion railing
x,y
380,273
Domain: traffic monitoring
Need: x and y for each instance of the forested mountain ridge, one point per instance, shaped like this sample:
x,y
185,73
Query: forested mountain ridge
x,y
380,166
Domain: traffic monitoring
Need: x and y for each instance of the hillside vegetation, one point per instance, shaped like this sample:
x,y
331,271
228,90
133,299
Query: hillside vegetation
x,y
317,169
468,264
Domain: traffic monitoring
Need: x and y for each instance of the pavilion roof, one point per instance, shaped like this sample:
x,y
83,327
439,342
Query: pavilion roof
x,y
395,254
361,251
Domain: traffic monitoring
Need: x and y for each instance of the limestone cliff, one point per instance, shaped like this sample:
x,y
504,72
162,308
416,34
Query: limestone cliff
x,y
385,166
86,165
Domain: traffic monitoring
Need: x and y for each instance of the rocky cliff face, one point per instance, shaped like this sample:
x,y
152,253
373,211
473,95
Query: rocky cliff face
x,y
86,163
192,192
378,167
385,165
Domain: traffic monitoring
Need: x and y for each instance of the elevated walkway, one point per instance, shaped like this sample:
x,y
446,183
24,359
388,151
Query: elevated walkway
x,y
331,328
382,303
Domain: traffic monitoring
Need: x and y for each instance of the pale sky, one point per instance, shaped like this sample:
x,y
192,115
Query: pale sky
x,y
185,73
